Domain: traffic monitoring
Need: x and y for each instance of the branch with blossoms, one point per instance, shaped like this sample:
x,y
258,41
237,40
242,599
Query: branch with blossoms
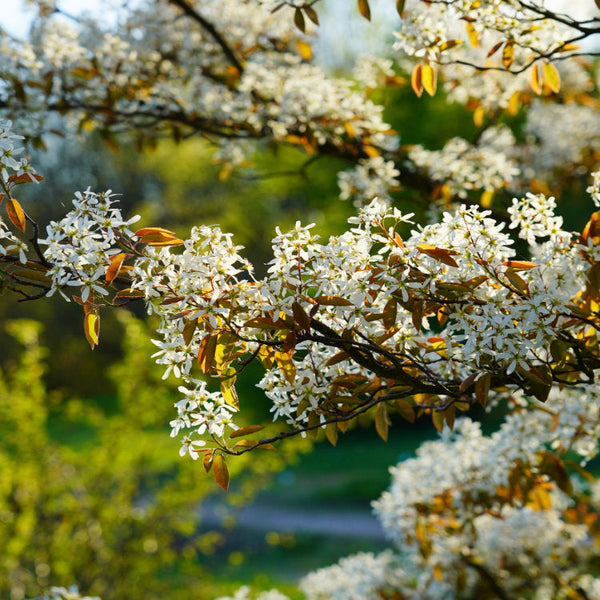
x,y
372,321
237,74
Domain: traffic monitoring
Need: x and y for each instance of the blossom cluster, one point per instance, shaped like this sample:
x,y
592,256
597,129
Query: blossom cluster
x,y
80,246
462,166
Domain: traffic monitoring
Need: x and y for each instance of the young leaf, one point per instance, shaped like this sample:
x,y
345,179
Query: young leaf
x,y
91,328
400,6
115,266
304,49
311,13
15,213
221,472
551,77
332,301
508,53
429,79
535,80
300,316
206,353
441,254
188,330
248,430
416,80
382,421
472,35
331,433
207,461
482,388
405,410
286,365
299,20
364,9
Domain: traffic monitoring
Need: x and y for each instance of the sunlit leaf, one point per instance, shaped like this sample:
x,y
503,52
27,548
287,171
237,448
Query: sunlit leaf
x,y
115,266
551,77
416,80
247,430
364,9
332,301
91,328
286,365
15,213
535,81
221,472
429,79
508,53
472,35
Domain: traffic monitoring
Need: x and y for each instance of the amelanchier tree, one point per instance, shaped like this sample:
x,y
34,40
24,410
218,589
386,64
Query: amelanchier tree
x,y
383,318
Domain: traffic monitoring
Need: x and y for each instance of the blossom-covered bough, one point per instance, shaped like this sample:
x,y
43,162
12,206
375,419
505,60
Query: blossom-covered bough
x,y
389,318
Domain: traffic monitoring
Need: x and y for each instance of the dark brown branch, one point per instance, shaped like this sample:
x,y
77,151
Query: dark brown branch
x,y
210,28
487,576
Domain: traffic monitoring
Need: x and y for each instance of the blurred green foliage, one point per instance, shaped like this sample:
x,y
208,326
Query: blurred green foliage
x,y
95,492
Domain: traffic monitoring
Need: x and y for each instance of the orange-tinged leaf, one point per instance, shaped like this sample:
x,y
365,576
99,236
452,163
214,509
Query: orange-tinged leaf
x,y
494,49
15,213
247,430
129,293
535,80
438,419
405,410
115,266
508,53
551,77
221,472
152,231
520,264
207,461
400,6
332,301
382,421
441,254
364,9
416,80
429,79
450,44
24,178
91,328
